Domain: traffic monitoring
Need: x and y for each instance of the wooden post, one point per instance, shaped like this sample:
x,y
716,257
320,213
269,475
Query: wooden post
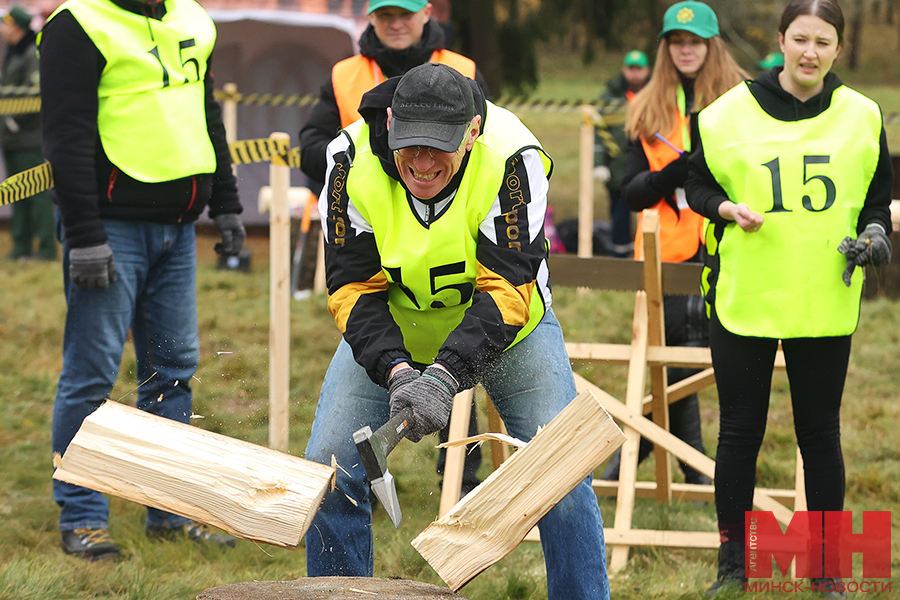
x,y
586,184
455,457
279,302
229,117
656,336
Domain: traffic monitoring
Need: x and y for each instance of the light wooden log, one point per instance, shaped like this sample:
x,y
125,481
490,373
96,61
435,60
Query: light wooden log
x,y
586,184
456,457
279,302
247,490
494,518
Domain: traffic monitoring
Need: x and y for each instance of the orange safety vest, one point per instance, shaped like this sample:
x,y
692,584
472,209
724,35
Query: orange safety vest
x,y
680,233
354,76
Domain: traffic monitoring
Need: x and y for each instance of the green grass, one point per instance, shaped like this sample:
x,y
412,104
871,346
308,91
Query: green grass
x,y
232,398
232,393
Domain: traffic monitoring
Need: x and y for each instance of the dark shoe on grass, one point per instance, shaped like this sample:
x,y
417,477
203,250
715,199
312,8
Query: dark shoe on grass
x,y
194,531
730,577
91,544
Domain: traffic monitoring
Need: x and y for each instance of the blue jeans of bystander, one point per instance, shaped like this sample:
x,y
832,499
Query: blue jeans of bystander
x,y
155,297
530,384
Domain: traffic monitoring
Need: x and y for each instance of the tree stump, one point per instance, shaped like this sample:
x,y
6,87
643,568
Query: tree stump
x,y
330,588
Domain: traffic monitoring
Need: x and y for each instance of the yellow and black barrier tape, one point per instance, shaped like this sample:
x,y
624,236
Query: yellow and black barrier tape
x,y
33,181
26,184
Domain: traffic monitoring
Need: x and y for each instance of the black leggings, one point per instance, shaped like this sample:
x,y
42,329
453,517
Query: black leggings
x,y
816,369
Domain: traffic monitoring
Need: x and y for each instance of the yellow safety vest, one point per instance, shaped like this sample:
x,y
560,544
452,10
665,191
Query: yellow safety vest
x,y
809,180
152,115
433,271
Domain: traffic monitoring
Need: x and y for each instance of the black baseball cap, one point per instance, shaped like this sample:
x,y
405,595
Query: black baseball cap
x,y
432,106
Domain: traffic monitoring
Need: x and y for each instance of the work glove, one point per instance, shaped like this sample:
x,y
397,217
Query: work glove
x,y
430,396
233,234
673,175
92,268
872,247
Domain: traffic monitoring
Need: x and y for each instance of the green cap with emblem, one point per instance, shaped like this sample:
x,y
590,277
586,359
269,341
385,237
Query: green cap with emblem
x,y
635,58
694,17
410,5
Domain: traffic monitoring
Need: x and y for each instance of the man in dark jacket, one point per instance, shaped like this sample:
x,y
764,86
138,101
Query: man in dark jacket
x,y
400,35
20,138
609,150
138,151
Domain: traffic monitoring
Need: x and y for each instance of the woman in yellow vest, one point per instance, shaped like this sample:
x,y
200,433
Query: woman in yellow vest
x,y
794,174
692,69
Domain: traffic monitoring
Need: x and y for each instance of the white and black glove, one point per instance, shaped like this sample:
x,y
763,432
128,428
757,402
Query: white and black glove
x,y
233,234
429,395
92,268
872,247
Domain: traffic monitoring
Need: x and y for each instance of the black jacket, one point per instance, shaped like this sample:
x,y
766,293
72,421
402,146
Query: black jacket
x,y
88,187
705,194
325,120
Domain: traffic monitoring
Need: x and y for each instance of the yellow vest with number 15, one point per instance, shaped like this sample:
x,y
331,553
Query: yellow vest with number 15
x,y
151,114
809,180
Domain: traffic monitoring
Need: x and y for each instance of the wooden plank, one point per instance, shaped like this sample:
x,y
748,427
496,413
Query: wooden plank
x,y
656,336
687,491
637,372
456,457
651,537
249,491
495,517
499,450
669,356
279,304
685,387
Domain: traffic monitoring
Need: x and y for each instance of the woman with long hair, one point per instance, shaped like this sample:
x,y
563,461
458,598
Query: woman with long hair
x,y
693,68
794,174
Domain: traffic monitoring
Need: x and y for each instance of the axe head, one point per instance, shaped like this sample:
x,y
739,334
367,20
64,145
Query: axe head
x,y
373,449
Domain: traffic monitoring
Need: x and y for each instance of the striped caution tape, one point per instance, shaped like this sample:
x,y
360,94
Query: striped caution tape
x,y
26,184
33,181
19,99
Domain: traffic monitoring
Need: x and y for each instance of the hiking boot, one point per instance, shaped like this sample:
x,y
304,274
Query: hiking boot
x,y
91,544
194,531
731,569
828,587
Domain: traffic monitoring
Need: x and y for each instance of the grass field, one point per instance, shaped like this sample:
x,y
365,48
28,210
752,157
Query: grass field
x,y
231,396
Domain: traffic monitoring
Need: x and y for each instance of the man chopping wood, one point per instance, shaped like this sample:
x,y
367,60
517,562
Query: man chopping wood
x,y
437,278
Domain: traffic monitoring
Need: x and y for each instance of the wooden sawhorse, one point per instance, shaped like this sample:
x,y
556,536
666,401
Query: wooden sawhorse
x,y
647,352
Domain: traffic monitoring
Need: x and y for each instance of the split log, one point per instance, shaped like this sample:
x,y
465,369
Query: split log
x,y
494,518
249,491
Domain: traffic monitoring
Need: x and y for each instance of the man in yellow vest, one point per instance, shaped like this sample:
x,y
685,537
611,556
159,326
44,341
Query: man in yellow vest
x,y
400,36
138,151
437,279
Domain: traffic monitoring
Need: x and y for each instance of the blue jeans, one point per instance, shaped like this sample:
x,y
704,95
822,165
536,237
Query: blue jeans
x,y
156,297
530,384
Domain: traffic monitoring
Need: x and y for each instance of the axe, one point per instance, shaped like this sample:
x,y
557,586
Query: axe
x,y
373,449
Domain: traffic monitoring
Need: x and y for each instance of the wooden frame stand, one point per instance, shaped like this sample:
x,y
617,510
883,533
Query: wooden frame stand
x,y
647,353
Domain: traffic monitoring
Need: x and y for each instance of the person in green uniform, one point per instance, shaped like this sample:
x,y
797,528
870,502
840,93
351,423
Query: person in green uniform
x,y
20,138
436,267
794,174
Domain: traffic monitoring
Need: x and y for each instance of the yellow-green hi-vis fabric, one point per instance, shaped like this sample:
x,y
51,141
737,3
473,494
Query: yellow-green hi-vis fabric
x,y
409,251
40,178
152,88
809,180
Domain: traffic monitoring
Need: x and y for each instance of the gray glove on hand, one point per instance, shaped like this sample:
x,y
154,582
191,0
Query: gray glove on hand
x,y
873,247
92,268
233,234
430,396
